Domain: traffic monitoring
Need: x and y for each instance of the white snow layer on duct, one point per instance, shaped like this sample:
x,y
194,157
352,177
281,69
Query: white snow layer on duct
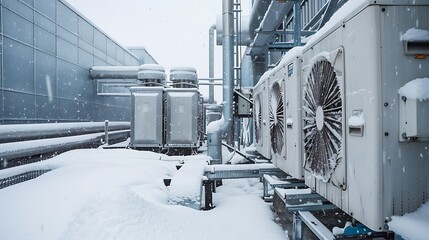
x,y
415,34
417,89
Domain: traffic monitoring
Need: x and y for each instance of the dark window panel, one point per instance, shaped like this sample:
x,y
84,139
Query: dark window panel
x,y
46,7
68,83
86,31
45,23
68,110
19,105
111,61
44,40
86,86
46,81
66,50
46,108
86,46
66,35
99,54
66,18
18,66
20,8
100,40
111,48
18,27
120,55
85,59
29,2
99,62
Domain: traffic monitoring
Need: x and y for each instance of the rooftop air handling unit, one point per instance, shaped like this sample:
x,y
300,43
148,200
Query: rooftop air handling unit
x,y
183,108
147,128
366,145
261,117
285,113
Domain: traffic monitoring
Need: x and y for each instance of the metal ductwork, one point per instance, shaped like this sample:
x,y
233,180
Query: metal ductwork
x,y
259,9
225,124
114,72
211,63
244,37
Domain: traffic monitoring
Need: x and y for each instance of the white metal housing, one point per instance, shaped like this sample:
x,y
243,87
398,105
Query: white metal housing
x,y
261,125
287,75
146,117
375,175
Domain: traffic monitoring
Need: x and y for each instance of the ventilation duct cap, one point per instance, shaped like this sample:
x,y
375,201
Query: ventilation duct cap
x,y
151,74
184,77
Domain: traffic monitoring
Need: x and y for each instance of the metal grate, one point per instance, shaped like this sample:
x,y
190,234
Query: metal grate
x,y
9,181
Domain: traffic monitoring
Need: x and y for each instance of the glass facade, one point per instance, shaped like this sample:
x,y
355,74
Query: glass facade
x,y
46,52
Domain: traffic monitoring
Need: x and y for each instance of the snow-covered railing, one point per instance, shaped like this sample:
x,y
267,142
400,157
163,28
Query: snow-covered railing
x,y
24,132
9,181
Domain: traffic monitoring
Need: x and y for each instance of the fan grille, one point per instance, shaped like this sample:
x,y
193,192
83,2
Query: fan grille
x,y
258,118
322,120
276,107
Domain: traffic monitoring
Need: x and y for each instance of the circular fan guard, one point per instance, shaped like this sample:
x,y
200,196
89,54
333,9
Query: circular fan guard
x,y
258,118
276,118
322,120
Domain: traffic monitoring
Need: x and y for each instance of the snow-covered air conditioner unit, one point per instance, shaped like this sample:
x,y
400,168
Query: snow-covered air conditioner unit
x,y
261,117
285,113
352,114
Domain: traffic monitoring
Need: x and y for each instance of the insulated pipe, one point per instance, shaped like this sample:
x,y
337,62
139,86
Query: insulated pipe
x,y
25,132
259,9
228,67
216,128
211,63
114,72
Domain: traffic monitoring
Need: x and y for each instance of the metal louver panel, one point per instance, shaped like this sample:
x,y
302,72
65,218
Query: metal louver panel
x,y
276,107
258,118
322,120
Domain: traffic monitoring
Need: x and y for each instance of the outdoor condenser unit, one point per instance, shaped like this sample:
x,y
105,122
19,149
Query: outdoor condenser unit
x,y
284,92
261,125
183,108
365,145
147,108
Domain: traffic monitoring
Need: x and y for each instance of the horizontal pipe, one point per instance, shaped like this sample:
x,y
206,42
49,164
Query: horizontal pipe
x,y
25,132
114,72
26,149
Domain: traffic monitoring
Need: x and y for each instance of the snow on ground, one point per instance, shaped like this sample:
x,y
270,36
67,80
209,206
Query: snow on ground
x,y
412,226
120,194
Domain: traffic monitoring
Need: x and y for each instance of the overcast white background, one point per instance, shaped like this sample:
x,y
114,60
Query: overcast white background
x,y
174,32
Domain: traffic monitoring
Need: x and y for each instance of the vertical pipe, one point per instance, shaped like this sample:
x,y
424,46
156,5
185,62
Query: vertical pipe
x,y
211,63
228,67
106,132
297,23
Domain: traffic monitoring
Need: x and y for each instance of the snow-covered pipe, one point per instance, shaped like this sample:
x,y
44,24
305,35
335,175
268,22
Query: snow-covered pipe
x,y
25,132
224,125
113,72
211,63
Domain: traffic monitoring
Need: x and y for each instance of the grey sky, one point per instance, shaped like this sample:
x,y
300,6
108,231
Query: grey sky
x,y
174,32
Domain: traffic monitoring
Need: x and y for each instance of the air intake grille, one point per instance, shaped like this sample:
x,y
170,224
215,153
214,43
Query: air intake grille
x,y
276,107
322,120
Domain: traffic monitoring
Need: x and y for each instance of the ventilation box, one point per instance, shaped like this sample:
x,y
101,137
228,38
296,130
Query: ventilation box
x,y
284,94
261,117
355,152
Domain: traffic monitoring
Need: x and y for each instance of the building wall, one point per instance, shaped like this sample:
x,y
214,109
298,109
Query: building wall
x,y
46,52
